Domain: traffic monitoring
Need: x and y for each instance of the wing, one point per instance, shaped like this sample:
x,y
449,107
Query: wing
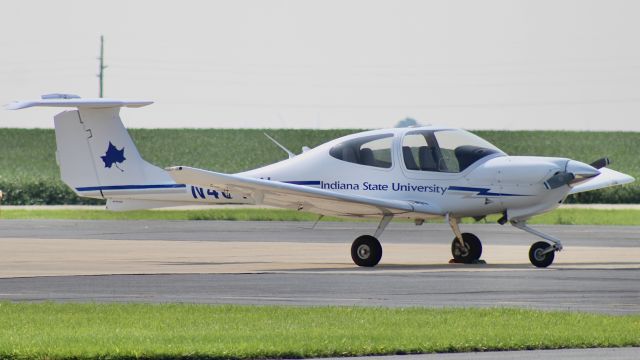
x,y
301,197
606,178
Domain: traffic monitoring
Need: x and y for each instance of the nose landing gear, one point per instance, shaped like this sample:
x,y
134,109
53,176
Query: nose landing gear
x,y
541,253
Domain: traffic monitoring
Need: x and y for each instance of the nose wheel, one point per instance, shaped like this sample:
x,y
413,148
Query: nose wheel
x,y
541,254
366,251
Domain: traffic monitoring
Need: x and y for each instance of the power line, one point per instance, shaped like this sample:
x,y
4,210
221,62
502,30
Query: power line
x,y
102,65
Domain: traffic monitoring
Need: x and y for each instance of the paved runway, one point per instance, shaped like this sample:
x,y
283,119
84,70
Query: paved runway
x,y
288,263
564,354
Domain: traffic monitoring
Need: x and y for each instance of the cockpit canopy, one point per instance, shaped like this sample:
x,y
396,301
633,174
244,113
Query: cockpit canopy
x,y
444,150
441,150
372,150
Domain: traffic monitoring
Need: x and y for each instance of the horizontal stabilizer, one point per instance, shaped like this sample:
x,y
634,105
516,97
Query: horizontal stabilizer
x,y
78,103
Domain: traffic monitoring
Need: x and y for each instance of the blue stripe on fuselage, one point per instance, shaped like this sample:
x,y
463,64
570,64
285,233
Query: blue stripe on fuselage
x,y
307,182
132,187
480,191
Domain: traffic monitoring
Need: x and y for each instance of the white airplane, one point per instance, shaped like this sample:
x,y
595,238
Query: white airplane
x,y
415,173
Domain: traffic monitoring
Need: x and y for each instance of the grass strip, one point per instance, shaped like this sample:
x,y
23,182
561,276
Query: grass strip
x,y
627,217
185,331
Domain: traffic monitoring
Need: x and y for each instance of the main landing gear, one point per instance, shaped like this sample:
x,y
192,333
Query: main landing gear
x,y
466,247
366,249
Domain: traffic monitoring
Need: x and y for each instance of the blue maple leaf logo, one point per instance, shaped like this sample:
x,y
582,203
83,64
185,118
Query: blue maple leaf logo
x,y
113,156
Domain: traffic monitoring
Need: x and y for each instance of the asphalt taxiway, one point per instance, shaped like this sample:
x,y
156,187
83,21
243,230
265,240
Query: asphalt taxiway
x,y
630,353
290,263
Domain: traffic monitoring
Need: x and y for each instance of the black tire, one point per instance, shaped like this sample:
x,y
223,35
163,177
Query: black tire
x,y
539,260
366,251
472,249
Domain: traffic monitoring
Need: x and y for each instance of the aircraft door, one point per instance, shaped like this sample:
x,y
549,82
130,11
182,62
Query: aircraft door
x,y
421,158
427,173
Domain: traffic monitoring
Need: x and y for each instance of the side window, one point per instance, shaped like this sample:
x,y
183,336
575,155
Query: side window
x,y
417,153
370,151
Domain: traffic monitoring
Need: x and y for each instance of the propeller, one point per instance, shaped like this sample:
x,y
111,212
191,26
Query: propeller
x,y
575,172
600,163
559,179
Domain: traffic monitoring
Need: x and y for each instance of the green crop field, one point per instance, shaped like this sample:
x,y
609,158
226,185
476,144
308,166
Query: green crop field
x,y
29,174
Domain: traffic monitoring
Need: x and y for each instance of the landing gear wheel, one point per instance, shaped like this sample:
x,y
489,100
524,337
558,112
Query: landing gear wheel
x,y
366,251
537,257
471,251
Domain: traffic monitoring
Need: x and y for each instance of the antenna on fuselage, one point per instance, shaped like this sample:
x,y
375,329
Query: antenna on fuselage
x,y
280,146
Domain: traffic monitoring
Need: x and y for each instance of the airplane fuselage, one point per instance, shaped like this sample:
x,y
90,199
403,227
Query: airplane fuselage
x,y
496,183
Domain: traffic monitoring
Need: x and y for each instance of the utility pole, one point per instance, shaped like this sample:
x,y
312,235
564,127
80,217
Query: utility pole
x,y
102,65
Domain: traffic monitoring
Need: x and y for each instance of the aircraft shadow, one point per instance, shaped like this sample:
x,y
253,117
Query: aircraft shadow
x,y
631,265
414,267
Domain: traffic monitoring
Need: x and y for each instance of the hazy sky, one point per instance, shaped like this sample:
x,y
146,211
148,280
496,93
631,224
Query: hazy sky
x,y
325,64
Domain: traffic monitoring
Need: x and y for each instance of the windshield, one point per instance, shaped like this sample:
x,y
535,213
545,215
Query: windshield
x,y
444,150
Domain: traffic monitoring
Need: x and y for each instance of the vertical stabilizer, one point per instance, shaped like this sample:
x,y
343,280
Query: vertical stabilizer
x,y
97,155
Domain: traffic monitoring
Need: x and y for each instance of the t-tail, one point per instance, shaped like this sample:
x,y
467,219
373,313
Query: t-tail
x,y
98,158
